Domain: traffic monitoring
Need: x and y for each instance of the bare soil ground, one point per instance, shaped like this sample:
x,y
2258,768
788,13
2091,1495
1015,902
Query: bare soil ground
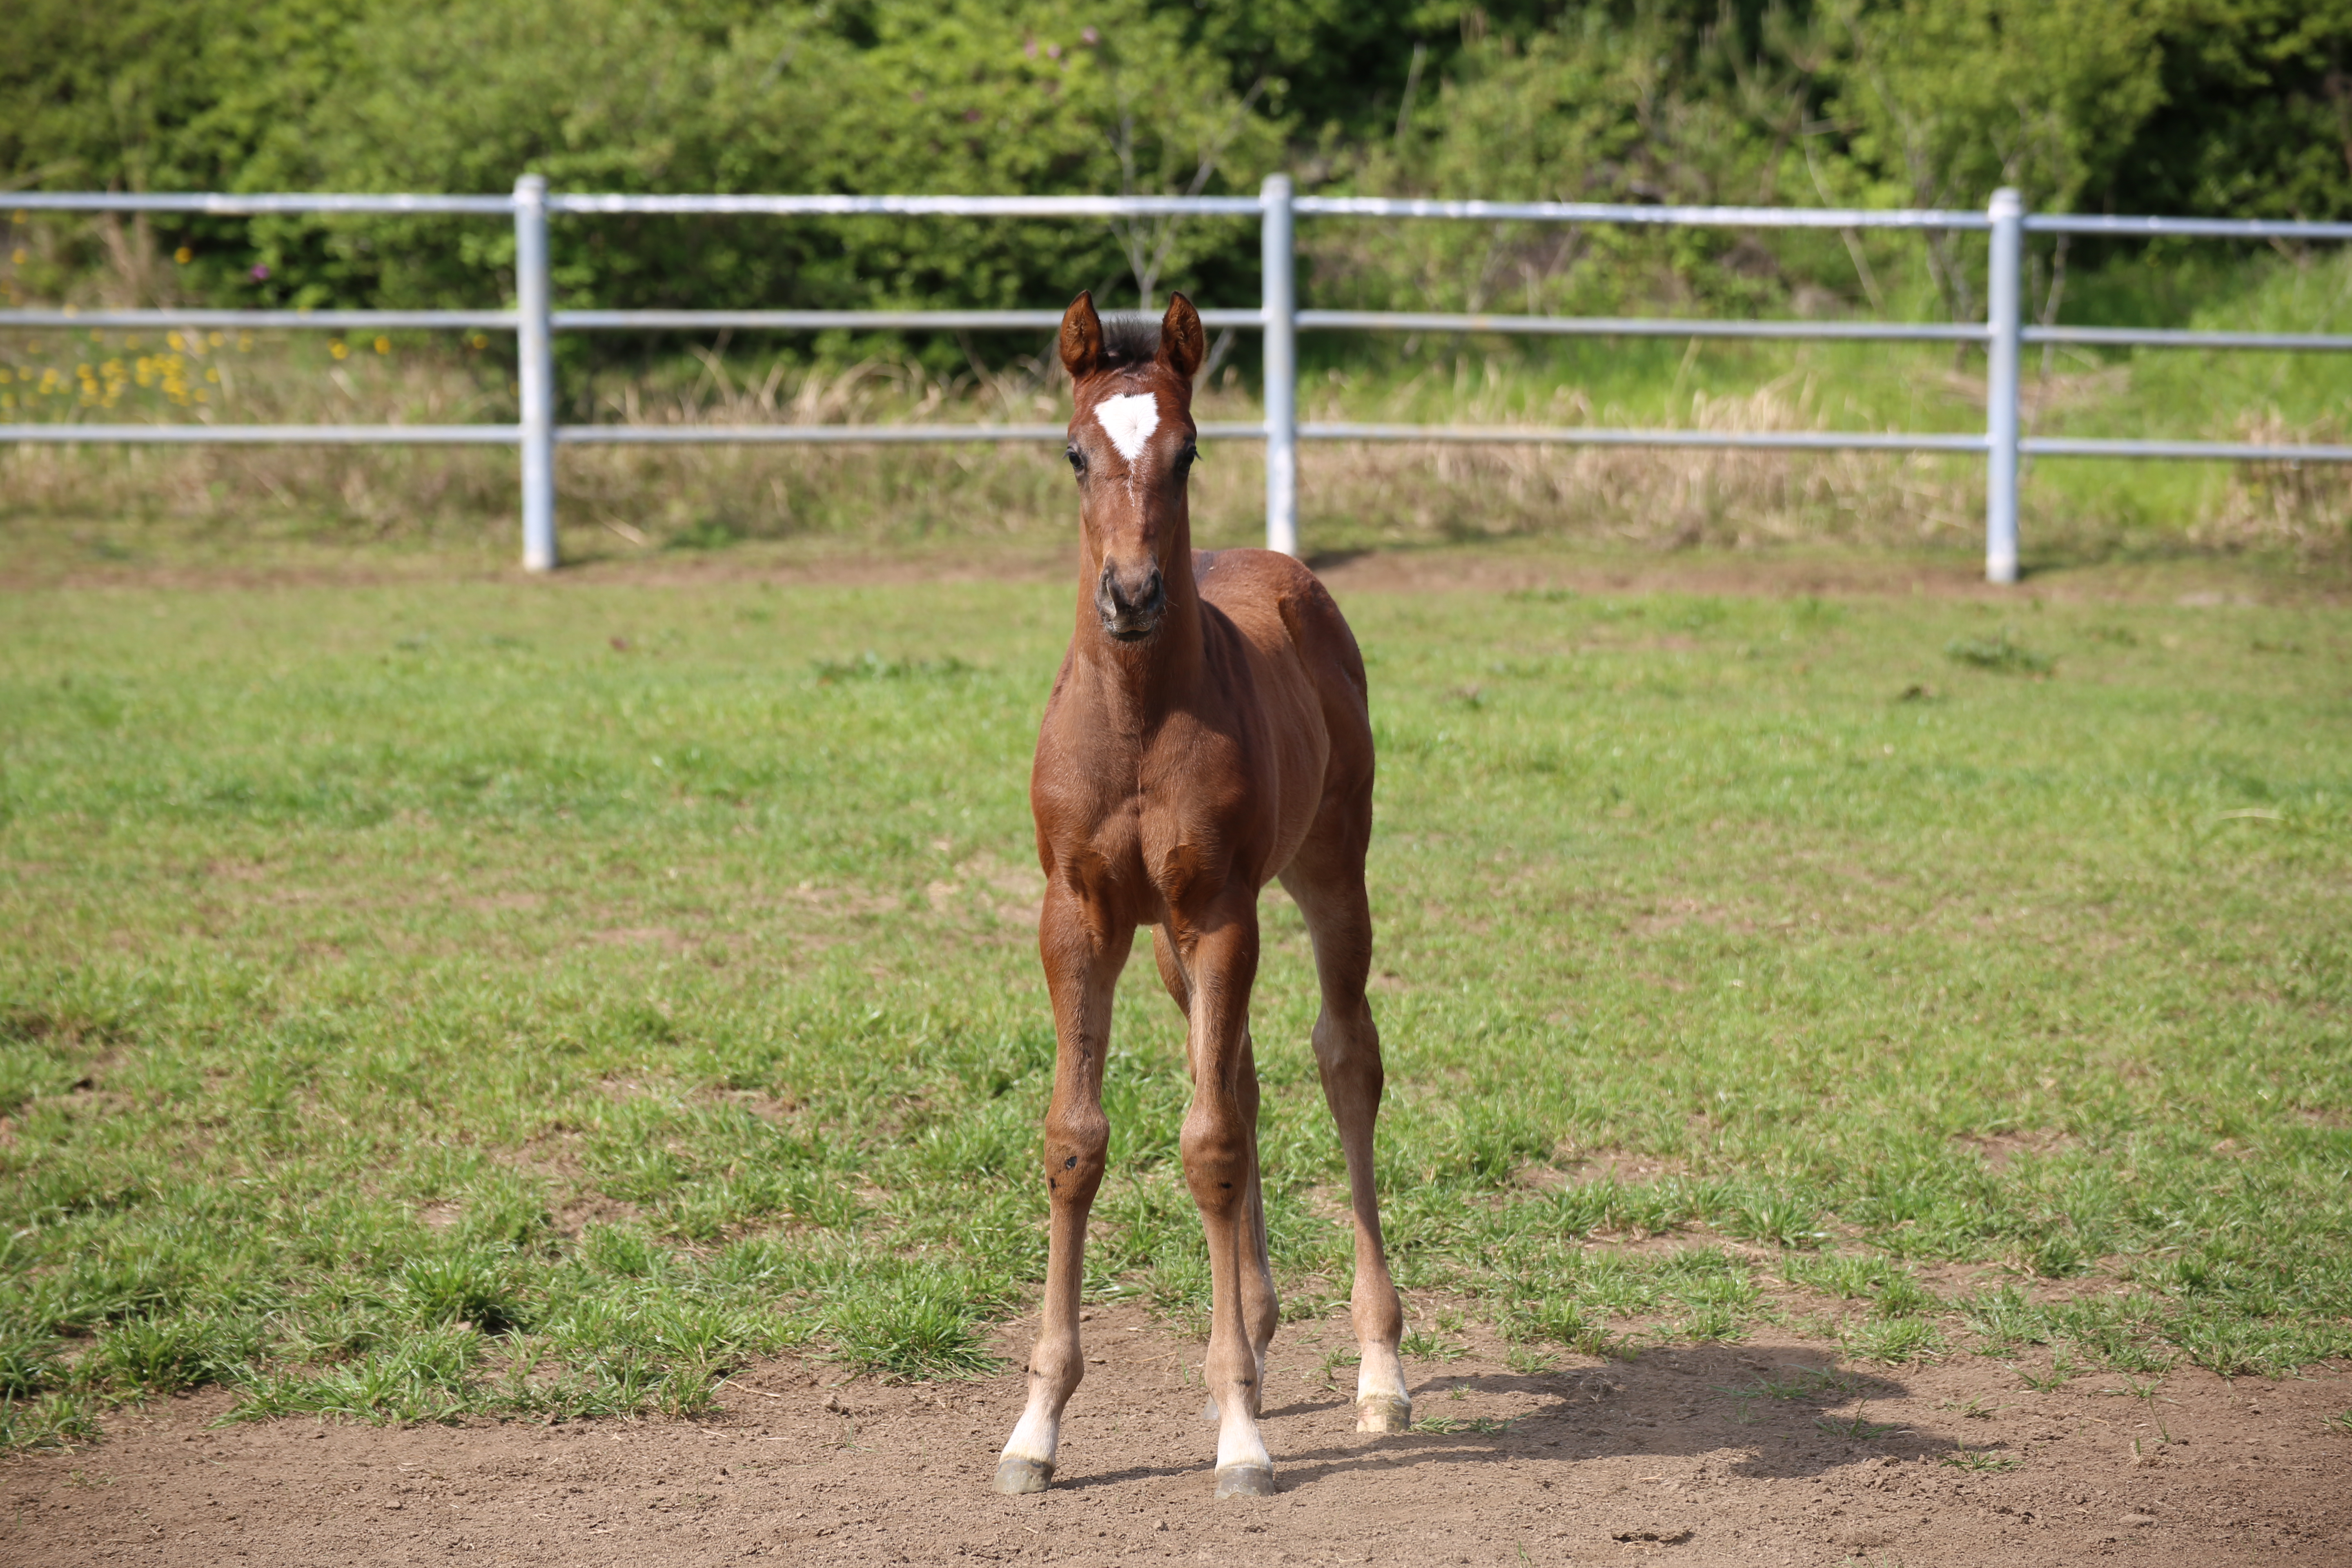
x,y
1594,1462
49,559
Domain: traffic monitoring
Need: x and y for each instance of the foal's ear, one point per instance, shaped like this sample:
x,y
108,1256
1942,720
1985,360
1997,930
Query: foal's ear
x,y
1082,340
1182,344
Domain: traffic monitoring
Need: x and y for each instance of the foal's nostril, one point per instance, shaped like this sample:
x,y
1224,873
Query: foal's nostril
x,y
1129,601
1130,612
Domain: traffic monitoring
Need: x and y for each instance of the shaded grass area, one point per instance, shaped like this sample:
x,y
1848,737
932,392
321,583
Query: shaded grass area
x,y
446,999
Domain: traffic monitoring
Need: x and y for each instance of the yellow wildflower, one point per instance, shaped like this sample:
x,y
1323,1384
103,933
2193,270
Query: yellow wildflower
x,y
183,255
383,346
337,349
176,342
216,338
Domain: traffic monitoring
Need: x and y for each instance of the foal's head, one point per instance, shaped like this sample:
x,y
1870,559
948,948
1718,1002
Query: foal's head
x,y
1131,444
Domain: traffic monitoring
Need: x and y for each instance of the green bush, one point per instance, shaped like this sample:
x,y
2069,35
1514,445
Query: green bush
x,y
2131,105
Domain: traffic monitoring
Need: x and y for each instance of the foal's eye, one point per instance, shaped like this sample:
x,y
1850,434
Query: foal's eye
x,y
1078,460
1184,459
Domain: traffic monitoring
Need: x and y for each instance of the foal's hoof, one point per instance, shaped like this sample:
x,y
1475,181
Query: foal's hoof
x,y
1383,1412
1246,1481
1019,1478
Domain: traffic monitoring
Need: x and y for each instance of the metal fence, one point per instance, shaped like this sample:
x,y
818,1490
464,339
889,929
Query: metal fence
x,y
533,321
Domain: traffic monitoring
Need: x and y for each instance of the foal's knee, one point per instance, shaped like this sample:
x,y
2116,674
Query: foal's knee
x,y
1347,1041
1216,1150
1076,1147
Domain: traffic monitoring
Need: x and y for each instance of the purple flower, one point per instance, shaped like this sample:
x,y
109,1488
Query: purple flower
x,y
260,272
1090,35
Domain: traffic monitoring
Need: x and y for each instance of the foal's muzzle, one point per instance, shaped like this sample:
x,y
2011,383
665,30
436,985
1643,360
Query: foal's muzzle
x,y
1130,612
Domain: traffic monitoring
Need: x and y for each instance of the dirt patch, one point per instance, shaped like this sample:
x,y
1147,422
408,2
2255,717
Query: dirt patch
x,y
1687,1453
640,936
1528,566
1998,1149
1766,575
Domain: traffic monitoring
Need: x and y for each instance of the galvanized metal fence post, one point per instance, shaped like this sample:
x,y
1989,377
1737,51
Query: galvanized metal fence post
x,y
535,357
2004,319
1281,309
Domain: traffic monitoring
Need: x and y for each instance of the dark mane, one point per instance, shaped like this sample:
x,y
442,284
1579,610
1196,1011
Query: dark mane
x,y
1129,340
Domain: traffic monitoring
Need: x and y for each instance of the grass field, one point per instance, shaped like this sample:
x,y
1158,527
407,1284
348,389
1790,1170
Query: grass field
x,y
467,997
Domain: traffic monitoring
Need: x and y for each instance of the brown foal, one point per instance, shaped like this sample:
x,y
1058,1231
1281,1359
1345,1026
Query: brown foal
x,y
1208,733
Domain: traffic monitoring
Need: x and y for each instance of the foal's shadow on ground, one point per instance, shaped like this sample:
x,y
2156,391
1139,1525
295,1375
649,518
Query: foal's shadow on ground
x,y
1777,1412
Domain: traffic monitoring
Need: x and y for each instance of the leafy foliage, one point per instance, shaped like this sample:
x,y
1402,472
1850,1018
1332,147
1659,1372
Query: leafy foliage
x,y
2212,106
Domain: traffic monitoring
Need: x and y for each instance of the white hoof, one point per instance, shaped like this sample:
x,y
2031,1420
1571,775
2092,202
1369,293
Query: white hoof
x,y
1383,1412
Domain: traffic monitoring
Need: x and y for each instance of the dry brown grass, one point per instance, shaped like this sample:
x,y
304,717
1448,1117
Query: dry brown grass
x,y
1670,498
2302,507
648,498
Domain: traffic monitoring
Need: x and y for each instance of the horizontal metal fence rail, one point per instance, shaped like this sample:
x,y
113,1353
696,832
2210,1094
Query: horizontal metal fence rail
x,y
839,435
2184,227
1637,326
64,435
2163,338
1615,212
269,321
229,204
534,320
2200,451
1438,322
919,206
1600,436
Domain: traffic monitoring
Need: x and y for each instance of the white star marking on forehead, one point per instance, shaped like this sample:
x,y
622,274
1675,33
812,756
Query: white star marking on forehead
x,y
1129,420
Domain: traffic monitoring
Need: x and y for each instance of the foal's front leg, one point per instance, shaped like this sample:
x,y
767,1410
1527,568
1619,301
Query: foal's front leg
x,y
1220,1149
1083,958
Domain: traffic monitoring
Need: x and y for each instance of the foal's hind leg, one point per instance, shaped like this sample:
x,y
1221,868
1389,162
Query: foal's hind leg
x,y
1219,946
1327,882
1261,1309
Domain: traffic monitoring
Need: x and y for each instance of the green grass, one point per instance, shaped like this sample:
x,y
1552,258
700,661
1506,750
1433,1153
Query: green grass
x,y
414,1003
